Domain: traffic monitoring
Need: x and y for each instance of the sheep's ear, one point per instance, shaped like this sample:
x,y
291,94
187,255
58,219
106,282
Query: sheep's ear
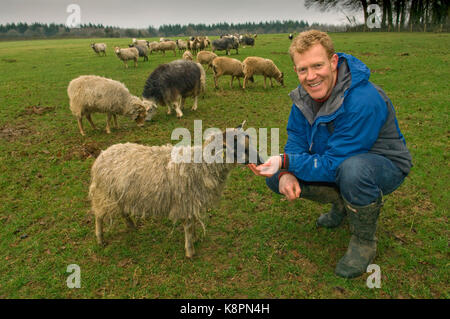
x,y
241,126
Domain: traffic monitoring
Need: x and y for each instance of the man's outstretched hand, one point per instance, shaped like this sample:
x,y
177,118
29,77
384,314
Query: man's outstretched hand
x,y
270,167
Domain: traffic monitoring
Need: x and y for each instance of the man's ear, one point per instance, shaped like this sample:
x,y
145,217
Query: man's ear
x,y
334,61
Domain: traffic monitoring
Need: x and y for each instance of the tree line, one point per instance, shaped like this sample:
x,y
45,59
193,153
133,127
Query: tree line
x,y
397,15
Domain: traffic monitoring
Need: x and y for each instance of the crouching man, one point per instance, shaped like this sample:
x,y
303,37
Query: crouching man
x,y
344,145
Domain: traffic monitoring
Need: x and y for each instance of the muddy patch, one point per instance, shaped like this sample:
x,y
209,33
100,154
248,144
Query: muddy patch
x,y
381,71
83,151
37,110
11,133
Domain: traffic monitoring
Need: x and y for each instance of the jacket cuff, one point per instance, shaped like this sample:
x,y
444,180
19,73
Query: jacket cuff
x,y
284,161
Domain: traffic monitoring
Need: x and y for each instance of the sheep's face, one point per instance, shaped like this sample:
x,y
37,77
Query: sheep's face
x,y
237,147
117,50
150,107
281,79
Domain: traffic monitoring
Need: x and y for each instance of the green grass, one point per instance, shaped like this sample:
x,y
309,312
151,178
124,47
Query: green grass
x,y
257,245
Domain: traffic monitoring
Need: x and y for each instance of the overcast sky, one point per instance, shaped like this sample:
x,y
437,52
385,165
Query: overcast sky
x,y
142,13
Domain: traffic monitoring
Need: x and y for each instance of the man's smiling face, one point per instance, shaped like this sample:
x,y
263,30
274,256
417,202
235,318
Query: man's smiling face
x,y
316,72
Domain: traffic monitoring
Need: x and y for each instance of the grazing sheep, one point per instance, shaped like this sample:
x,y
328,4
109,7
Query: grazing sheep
x,y
169,84
94,94
153,46
206,57
143,50
99,47
228,66
181,44
140,42
259,66
127,54
168,46
226,43
131,180
187,55
246,40
164,39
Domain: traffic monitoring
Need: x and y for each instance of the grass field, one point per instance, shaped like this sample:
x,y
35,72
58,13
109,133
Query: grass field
x,y
257,244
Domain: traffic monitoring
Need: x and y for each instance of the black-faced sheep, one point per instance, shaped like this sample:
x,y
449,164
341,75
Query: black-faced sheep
x,y
143,50
94,94
99,48
127,54
206,57
259,66
131,180
228,66
169,84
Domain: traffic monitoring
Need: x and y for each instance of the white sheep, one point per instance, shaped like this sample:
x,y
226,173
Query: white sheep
x,y
140,42
206,57
227,66
259,66
153,46
99,47
127,54
131,180
187,55
181,44
94,94
168,46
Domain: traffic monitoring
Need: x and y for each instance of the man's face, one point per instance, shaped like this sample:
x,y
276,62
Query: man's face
x,y
316,72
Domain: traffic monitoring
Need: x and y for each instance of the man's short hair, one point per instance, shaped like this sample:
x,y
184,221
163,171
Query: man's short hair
x,y
305,40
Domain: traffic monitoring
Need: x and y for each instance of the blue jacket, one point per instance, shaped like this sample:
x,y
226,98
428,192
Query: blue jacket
x,y
357,118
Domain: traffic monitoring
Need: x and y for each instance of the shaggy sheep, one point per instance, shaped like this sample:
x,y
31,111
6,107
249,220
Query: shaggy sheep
x,y
143,50
226,43
168,46
132,180
181,44
153,46
99,47
206,57
228,66
140,42
259,66
94,94
246,40
169,84
187,55
127,54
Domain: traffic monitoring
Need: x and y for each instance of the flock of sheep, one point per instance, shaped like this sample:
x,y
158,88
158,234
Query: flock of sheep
x,y
136,180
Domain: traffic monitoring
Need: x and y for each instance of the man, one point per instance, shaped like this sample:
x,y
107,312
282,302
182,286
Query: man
x,y
344,145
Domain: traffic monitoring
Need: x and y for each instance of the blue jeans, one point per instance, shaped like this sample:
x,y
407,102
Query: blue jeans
x,y
361,179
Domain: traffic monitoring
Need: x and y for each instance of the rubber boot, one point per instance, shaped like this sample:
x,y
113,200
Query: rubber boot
x,y
363,243
326,195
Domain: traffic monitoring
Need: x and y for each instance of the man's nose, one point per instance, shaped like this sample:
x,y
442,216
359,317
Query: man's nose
x,y
311,75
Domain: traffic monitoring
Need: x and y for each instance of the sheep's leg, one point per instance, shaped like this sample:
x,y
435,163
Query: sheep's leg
x,y
88,116
245,81
231,82
80,125
271,83
239,80
169,109
131,225
135,62
215,81
177,109
264,81
189,237
99,230
115,121
108,121
126,64
194,107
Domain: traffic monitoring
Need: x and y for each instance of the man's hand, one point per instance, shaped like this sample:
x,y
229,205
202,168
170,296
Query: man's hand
x,y
289,186
270,167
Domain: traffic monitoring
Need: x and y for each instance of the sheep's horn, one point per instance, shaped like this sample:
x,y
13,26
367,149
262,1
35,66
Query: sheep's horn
x,y
241,126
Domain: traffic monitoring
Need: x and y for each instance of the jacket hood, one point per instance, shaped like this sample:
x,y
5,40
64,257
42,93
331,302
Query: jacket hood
x,y
351,73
